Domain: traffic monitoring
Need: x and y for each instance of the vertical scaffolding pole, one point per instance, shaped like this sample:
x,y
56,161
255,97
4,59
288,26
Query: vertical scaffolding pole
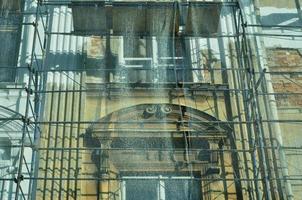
x,y
242,62
238,107
252,98
229,113
26,121
273,110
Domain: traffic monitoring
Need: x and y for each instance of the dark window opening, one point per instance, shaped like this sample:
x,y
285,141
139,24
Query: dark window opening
x,y
5,149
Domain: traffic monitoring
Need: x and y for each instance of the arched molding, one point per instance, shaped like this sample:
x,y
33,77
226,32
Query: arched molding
x,y
184,115
206,131
11,124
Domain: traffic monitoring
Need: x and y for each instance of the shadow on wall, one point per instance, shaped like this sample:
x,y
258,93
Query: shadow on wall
x,y
289,19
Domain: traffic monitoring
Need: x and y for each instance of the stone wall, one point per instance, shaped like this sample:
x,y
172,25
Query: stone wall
x,y
289,105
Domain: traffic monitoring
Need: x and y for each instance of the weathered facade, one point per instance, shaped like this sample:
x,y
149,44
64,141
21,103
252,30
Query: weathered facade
x,y
131,100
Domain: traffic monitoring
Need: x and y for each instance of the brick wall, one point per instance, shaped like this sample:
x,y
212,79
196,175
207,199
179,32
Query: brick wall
x,y
286,60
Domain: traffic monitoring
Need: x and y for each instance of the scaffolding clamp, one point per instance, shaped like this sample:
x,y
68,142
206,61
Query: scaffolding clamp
x,y
25,120
260,78
244,24
31,69
19,179
29,90
34,147
258,121
35,24
250,70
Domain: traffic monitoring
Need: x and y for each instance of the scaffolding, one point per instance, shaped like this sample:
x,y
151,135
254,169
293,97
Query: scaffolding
x,y
123,99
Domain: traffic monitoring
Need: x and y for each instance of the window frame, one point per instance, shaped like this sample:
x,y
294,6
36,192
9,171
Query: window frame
x,y
160,184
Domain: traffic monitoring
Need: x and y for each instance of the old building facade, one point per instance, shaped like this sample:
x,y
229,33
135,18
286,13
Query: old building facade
x,y
150,99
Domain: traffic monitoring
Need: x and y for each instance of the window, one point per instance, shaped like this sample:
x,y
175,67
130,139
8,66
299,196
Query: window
x,y
138,59
153,60
161,188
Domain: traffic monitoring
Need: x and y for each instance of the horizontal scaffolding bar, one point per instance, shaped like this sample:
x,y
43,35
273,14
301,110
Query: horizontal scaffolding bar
x,y
118,3
156,178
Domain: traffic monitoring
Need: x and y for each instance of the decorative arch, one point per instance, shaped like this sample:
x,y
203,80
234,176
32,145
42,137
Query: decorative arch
x,y
172,113
167,137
